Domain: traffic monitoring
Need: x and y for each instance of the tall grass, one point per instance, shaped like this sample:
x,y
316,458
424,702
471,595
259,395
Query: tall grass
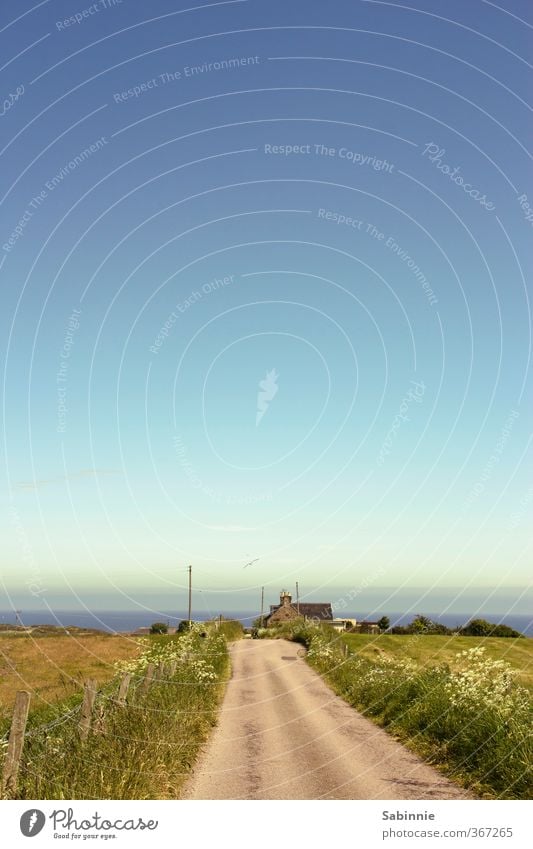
x,y
231,629
468,716
143,749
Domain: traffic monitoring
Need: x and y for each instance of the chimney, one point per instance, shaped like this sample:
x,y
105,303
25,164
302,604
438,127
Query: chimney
x,y
285,597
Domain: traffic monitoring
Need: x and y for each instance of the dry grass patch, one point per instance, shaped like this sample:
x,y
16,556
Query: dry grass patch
x,y
54,668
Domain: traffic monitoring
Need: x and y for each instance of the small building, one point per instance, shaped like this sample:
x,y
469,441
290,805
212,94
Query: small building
x,y
287,611
344,624
366,627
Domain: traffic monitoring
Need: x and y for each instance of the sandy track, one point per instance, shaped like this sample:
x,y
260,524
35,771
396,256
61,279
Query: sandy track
x,y
283,734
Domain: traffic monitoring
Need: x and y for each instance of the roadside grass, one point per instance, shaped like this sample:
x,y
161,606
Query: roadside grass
x,y
54,668
467,716
231,629
433,650
143,749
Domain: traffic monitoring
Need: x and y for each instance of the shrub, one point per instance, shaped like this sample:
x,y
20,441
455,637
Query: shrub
x,y
482,628
159,628
421,625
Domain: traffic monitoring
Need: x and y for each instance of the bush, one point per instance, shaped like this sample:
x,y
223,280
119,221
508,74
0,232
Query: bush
x,y
422,625
482,628
159,628
505,631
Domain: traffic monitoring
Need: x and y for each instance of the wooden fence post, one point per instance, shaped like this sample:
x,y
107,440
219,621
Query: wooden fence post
x,y
16,742
147,680
89,695
123,688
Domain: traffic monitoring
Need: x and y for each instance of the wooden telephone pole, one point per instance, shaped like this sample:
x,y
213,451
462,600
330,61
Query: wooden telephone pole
x,y
190,595
262,604
297,599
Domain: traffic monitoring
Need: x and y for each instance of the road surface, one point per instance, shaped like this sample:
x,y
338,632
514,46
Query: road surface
x,y
283,734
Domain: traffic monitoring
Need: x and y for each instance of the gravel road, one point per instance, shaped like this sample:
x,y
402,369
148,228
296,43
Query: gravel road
x,y
283,734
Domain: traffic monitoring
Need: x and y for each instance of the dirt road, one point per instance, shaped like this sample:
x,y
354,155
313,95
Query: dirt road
x,y
283,734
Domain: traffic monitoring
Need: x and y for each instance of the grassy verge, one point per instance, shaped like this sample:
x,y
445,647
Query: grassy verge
x,y
143,749
230,628
467,716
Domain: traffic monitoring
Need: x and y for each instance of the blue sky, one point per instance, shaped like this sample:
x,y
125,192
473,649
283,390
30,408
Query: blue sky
x,y
316,214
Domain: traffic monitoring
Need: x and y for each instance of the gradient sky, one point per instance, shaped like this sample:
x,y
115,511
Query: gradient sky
x,y
185,257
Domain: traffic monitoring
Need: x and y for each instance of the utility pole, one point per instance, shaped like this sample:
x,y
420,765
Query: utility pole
x,y
190,595
297,599
262,604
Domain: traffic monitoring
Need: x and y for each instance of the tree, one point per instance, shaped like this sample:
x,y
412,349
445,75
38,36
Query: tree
x,y
159,628
420,625
184,625
439,628
477,628
424,625
384,623
482,628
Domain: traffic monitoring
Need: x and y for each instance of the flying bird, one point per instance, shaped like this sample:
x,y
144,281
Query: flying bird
x,y
250,563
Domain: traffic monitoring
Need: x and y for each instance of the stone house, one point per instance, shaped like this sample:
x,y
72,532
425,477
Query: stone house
x,y
287,611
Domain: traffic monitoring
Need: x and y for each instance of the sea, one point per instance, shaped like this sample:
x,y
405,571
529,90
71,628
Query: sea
x,y
126,621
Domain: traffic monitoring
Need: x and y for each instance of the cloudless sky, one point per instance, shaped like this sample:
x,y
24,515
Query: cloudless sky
x,y
340,215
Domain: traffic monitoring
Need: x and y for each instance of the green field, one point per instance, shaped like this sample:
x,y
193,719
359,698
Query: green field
x,y
434,650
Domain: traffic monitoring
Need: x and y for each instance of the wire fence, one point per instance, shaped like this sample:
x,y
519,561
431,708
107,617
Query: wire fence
x,y
90,709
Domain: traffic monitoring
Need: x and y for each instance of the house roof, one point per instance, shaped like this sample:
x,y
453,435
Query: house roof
x,y
321,609
312,610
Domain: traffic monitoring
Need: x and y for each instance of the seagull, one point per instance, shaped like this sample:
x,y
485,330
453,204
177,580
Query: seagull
x,y
250,563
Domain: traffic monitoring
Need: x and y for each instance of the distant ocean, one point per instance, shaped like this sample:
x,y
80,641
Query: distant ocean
x,y
129,620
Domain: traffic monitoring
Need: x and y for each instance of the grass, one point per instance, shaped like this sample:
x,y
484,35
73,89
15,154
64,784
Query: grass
x,y
54,668
143,749
231,629
465,714
427,650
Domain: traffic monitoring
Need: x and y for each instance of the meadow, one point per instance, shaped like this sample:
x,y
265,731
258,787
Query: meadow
x,y
54,667
430,650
